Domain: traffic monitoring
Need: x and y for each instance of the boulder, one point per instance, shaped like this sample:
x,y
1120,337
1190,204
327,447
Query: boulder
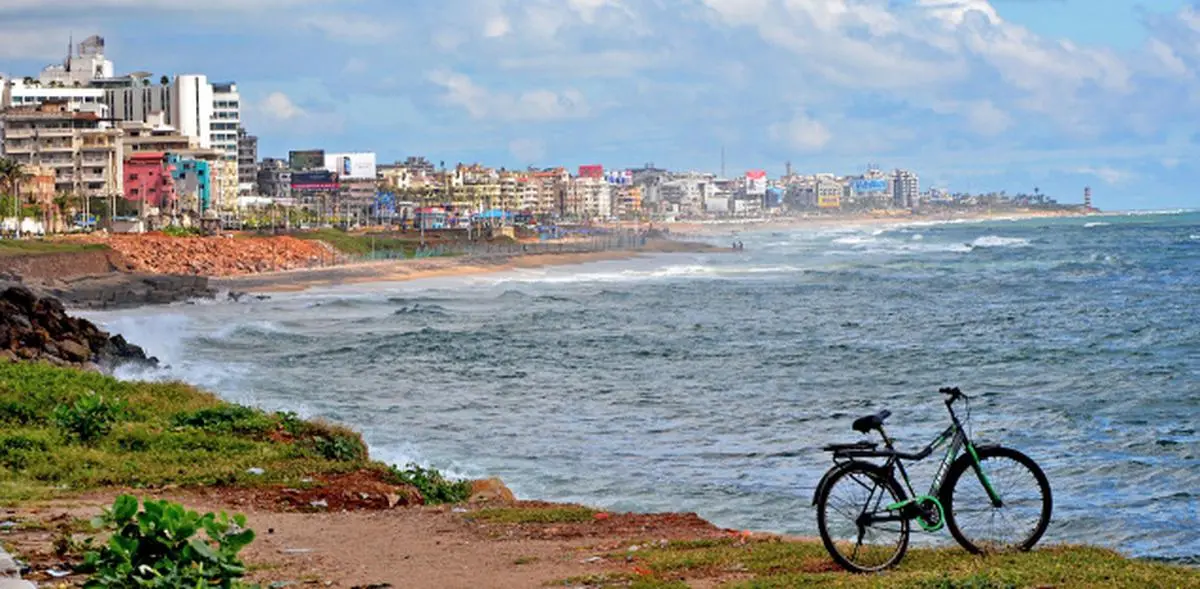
x,y
491,490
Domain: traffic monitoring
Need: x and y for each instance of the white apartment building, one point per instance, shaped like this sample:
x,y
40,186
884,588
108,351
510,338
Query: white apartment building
x,y
207,112
906,189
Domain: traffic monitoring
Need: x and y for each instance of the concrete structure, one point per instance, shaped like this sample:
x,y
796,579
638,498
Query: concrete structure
x,y
193,183
149,180
247,162
80,67
154,136
550,187
192,108
226,119
829,192
224,183
274,179
84,153
906,189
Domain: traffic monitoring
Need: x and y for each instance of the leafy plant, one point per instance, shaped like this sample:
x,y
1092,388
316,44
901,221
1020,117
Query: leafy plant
x,y
160,547
435,488
90,417
226,419
175,231
340,447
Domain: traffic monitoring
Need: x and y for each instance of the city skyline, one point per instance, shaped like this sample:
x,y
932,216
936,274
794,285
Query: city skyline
x,y
976,97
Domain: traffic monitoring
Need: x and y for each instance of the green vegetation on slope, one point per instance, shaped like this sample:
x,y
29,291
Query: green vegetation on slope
x,y
33,247
775,564
64,430
359,244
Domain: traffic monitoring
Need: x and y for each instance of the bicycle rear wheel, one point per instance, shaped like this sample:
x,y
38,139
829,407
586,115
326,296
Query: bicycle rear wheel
x,y
1026,502
844,511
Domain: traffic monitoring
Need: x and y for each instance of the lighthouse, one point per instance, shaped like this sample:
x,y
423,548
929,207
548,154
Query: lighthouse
x,y
1087,198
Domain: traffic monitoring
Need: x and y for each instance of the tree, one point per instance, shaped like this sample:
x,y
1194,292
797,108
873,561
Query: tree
x,y
146,82
29,81
164,80
11,175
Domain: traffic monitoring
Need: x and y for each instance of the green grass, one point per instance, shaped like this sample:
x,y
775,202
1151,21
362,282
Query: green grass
x,y
774,564
358,244
166,434
35,247
534,515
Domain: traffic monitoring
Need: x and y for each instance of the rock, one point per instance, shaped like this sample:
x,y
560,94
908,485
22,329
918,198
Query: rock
x,y
16,584
491,490
8,566
74,351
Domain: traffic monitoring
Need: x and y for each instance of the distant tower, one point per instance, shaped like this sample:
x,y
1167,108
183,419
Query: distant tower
x,y
1087,197
789,169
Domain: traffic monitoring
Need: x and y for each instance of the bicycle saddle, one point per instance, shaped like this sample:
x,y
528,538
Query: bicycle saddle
x,y
870,422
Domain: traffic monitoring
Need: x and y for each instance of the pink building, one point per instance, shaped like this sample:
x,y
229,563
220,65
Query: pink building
x,y
148,178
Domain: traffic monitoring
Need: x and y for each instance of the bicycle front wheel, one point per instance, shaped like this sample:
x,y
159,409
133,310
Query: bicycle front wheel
x,y
980,525
849,511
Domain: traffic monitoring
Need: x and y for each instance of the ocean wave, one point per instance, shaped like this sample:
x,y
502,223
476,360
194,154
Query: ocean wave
x,y
1096,224
997,241
426,310
251,328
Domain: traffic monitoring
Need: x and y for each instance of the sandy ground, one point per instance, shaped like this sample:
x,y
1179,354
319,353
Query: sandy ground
x,y
403,270
418,547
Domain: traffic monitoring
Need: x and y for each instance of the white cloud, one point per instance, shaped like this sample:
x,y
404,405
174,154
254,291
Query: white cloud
x,y
279,106
26,43
353,29
1105,173
801,133
497,26
532,105
1171,163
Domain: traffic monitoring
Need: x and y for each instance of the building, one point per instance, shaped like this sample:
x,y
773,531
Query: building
x,y
828,191
247,162
80,67
274,179
154,136
226,119
84,152
149,181
193,183
906,189
550,189
224,182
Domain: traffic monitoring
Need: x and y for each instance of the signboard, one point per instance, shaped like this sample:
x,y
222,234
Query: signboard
x,y
756,182
309,159
774,198
829,201
870,186
322,180
619,177
357,166
385,204
591,171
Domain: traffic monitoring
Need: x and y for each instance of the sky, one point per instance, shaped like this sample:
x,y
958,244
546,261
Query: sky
x,y
973,95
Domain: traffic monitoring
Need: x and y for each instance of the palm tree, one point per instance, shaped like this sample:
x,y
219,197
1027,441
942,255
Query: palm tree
x,y
164,80
11,175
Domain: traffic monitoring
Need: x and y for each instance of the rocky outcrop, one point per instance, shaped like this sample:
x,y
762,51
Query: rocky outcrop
x,y
34,328
124,291
219,256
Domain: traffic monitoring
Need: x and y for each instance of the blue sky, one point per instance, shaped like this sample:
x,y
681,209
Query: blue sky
x,y
973,95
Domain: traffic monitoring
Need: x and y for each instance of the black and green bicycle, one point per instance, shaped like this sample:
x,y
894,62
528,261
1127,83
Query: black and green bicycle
x,y
992,498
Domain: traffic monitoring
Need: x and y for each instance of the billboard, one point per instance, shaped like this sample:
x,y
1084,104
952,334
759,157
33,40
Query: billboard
x,y
619,177
385,204
322,180
870,186
756,182
595,171
774,198
357,166
308,159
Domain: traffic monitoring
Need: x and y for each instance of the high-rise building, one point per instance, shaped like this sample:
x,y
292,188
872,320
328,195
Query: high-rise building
x,y
84,151
906,189
274,179
226,118
247,161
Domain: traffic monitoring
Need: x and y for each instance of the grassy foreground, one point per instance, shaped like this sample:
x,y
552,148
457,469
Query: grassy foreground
x,y
64,430
33,247
776,564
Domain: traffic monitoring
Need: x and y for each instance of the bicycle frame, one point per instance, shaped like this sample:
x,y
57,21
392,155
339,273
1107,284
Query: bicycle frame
x,y
956,435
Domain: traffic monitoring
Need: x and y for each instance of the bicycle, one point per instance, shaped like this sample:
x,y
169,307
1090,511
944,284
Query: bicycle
x,y
868,532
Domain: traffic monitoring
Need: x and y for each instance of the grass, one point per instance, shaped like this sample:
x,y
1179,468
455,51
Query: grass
x,y
35,247
534,515
360,244
164,434
775,564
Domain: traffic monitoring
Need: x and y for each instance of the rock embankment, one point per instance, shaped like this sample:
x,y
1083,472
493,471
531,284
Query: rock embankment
x,y
34,328
125,291
219,256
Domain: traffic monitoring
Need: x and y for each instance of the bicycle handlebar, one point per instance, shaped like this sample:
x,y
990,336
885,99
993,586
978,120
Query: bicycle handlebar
x,y
954,393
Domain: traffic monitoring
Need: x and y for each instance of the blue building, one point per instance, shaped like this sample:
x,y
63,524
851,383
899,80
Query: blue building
x,y
193,179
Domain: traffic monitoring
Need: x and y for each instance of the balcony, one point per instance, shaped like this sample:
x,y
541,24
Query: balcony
x,y
13,148
56,147
54,132
18,133
93,177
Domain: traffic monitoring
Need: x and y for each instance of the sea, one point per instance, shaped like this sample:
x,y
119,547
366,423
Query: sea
x,y
708,382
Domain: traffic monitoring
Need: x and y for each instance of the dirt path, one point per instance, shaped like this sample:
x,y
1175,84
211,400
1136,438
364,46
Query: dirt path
x,y
436,547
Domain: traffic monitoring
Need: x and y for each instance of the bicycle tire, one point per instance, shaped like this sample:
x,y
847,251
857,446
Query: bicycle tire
x,y
879,478
950,490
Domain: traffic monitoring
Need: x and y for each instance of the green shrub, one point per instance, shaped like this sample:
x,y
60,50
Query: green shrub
x,y
174,231
340,447
226,419
435,488
89,418
160,547
17,448
19,413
